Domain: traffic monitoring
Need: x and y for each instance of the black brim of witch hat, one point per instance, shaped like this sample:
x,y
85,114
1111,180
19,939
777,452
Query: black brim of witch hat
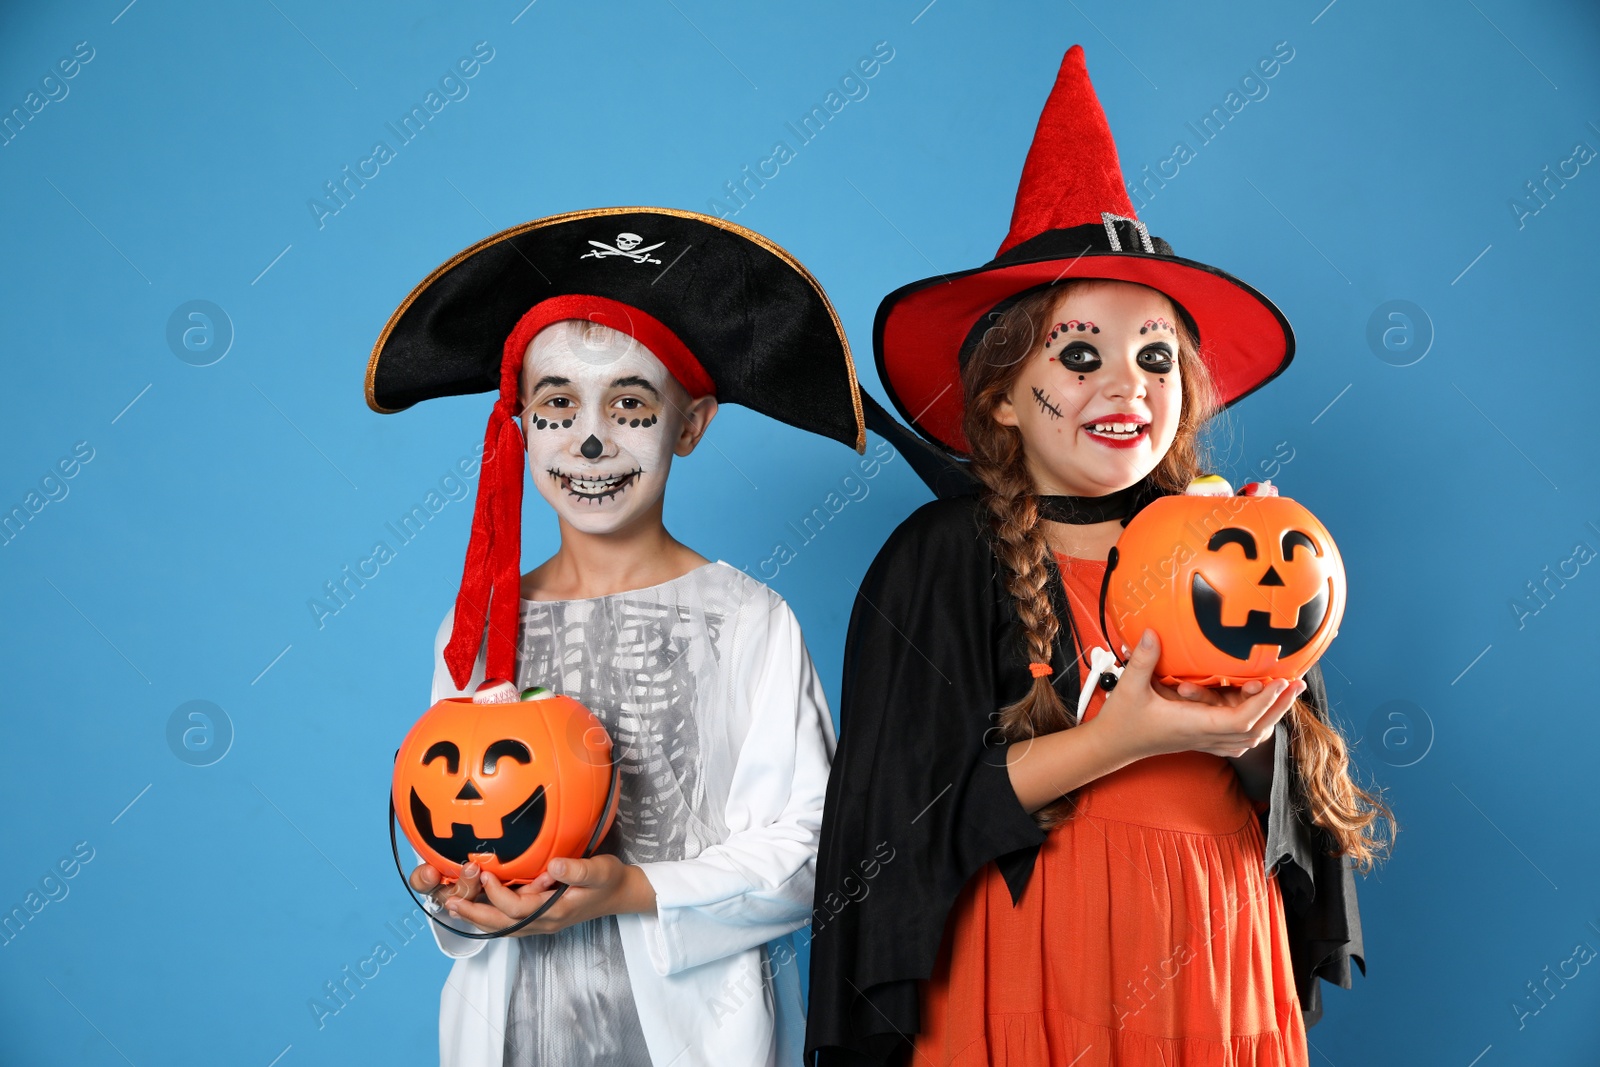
x,y
925,330
754,318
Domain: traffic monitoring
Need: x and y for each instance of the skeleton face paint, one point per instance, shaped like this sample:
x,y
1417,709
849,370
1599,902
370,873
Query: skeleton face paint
x,y
601,417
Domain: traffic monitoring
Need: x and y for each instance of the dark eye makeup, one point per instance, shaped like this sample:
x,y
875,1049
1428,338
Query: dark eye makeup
x,y
1160,358
1082,356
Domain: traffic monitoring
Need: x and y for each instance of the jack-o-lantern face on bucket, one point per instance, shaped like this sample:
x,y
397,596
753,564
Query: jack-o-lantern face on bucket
x,y
1300,586
1236,587
508,786
455,800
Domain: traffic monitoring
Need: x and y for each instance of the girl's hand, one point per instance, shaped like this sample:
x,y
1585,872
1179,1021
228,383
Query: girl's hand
x,y
600,885
1217,696
1145,718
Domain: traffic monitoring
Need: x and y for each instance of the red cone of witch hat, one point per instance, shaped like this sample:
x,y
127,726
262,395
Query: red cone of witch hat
x,y
1072,173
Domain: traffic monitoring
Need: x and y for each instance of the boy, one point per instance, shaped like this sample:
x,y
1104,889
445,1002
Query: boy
x,y
615,350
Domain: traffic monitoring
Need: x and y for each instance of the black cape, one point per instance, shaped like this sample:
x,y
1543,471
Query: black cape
x,y
919,798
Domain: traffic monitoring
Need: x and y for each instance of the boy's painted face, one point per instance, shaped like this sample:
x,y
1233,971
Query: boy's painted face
x,y
1098,401
603,418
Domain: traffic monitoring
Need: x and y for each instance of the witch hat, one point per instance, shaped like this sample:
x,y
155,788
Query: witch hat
x,y
729,313
1072,220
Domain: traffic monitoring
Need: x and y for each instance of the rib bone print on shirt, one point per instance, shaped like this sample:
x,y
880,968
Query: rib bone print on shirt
x,y
629,661
649,665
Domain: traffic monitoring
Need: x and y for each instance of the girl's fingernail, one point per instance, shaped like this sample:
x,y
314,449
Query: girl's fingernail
x,y
1148,641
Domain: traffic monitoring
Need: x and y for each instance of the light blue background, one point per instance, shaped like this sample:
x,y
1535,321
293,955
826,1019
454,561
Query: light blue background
x,y
1381,165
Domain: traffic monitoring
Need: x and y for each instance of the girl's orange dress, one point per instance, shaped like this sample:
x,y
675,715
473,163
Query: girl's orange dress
x,y
1148,934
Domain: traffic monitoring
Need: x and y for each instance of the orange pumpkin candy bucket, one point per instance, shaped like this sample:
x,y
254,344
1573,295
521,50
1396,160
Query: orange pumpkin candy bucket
x,y
1237,586
508,786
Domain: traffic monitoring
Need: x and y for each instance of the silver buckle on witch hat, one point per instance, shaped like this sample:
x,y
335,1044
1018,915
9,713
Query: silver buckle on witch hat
x,y
1111,231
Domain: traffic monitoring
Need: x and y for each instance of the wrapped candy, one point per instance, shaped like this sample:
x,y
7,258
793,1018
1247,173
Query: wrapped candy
x,y
495,691
1209,485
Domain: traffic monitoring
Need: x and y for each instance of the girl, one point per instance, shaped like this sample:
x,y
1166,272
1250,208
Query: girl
x,y
1078,871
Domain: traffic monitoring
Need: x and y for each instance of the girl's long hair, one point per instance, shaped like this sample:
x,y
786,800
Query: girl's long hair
x,y
1341,807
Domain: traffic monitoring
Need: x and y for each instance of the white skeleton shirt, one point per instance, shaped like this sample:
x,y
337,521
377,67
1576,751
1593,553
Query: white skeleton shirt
x,y
723,739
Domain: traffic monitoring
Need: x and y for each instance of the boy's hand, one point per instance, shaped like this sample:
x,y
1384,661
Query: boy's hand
x,y
600,885
427,879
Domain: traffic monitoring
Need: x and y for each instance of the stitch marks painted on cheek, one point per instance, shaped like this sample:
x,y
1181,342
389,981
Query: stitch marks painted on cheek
x,y
1046,405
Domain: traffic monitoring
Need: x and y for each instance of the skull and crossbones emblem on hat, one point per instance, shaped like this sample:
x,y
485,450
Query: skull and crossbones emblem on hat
x,y
627,245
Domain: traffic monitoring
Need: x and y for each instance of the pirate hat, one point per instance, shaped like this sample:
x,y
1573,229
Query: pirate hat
x,y
729,313
1072,220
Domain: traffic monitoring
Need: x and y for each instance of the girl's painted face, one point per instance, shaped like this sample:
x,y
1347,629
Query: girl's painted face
x,y
603,419
1098,400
